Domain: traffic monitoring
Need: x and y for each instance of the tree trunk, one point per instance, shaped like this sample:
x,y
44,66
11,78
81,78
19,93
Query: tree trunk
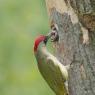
x,y
70,16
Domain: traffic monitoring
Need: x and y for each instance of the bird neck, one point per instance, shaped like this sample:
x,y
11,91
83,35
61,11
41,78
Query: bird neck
x,y
42,49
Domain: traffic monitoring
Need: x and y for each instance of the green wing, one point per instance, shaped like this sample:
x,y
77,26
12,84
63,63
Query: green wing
x,y
55,74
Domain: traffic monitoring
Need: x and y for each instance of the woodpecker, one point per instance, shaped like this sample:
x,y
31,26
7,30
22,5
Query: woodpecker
x,y
54,72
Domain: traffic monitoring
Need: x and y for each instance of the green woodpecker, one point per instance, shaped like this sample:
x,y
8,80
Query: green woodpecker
x,y
55,73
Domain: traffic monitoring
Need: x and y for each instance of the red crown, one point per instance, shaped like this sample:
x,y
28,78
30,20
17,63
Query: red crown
x,y
37,42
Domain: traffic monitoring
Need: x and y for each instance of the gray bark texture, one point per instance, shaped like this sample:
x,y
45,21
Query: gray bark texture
x,y
68,15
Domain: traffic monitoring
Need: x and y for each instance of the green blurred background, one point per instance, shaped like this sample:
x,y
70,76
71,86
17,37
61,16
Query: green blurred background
x,y
20,22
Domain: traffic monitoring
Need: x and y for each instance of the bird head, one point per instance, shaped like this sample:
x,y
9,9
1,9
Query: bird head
x,y
43,39
40,39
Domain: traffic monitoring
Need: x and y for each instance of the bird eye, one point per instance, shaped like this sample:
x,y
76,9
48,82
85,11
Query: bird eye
x,y
45,40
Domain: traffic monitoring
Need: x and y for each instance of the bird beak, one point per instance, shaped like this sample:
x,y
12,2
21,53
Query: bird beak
x,y
53,35
47,37
49,34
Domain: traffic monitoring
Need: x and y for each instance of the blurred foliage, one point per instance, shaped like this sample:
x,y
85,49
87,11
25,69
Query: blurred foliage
x,y
20,22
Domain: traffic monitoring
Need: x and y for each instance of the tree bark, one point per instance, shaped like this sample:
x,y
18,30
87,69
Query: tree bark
x,y
68,15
